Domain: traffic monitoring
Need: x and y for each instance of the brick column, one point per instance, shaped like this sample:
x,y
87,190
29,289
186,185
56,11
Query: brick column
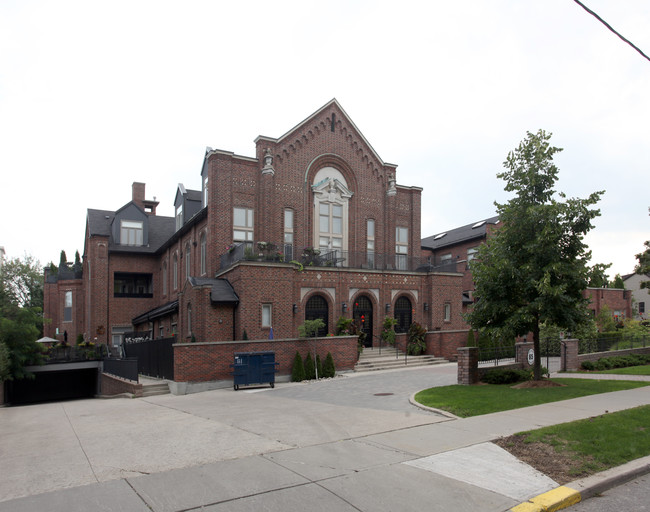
x,y
521,353
468,365
569,352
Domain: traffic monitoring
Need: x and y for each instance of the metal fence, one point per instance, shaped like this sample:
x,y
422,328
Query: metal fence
x,y
496,355
124,368
607,344
155,357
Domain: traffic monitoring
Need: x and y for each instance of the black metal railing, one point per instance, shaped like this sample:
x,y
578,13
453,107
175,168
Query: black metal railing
x,y
607,344
76,353
124,368
496,355
335,258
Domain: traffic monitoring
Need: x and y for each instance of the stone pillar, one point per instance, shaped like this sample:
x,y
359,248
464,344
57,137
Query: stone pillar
x,y
467,365
521,353
569,356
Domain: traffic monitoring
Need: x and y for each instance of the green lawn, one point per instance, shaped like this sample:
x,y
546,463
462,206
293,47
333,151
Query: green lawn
x,y
601,442
630,370
467,401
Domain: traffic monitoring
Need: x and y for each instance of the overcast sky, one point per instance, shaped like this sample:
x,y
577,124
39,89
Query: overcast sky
x,y
96,95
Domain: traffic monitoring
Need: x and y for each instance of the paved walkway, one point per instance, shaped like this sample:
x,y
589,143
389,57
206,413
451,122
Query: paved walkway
x,y
350,443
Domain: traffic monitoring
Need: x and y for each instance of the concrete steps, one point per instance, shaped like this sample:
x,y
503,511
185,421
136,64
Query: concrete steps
x,y
155,389
372,360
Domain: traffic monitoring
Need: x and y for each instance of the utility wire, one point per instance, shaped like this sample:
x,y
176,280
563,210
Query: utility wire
x,y
610,28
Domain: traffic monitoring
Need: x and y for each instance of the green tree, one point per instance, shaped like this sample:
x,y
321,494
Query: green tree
x,y
617,282
310,367
310,328
21,321
643,267
329,369
597,278
297,369
534,268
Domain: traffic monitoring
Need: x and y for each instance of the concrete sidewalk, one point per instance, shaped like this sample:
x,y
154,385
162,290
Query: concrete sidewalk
x,y
284,449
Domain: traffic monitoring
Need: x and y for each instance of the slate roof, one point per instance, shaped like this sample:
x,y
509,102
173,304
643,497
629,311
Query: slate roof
x,y
161,229
156,312
222,291
475,230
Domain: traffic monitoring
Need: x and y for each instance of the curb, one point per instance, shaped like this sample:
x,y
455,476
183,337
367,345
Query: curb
x,y
580,490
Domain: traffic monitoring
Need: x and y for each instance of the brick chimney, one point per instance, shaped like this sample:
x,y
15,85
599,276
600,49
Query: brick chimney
x,y
147,205
138,193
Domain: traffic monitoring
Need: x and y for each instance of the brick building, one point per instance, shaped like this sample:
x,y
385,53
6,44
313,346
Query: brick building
x,y
313,226
455,249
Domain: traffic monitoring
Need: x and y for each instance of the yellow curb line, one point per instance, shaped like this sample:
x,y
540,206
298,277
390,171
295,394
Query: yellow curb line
x,y
550,501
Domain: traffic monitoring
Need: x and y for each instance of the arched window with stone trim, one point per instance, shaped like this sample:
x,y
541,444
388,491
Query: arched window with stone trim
x,y
331,214
403,314
317,307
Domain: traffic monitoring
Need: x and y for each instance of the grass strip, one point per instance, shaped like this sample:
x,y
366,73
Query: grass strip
x,y
600,442
465,401
630,370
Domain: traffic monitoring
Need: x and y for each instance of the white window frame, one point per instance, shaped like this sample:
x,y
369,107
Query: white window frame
x,y
370,242
204,248
179,217
330,189
67,307
446,312
401,247
175,271
188,260
243,232
267,316
132,233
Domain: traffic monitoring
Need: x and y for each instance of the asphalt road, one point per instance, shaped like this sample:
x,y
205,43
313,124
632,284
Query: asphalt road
x,y
634,495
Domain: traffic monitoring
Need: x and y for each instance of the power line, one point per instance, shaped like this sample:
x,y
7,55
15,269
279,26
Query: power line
x,y
610,28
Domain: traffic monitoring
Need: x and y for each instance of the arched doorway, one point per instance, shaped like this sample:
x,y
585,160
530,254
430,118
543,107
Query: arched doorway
x,y
316,307
403,314
362,314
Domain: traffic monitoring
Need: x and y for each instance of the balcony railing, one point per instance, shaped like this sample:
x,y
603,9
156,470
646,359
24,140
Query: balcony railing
x,y
311,257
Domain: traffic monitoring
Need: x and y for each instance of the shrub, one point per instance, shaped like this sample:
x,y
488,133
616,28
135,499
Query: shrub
x,y
319,367
298,369
310,368
588,365
416,344
506,376
328,367
388,333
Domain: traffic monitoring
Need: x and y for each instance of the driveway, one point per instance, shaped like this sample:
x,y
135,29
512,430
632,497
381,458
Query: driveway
x,y
67,444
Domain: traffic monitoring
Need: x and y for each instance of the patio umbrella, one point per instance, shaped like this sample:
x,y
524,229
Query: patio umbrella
x,y
271,333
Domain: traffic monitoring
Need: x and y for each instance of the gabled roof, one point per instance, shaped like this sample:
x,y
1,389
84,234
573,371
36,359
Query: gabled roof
x,y
157,312
303,124
160,230
475,230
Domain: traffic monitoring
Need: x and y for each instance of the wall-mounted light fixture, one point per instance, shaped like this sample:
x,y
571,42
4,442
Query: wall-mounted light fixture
x,y
295,308
344,307
426,306
387,308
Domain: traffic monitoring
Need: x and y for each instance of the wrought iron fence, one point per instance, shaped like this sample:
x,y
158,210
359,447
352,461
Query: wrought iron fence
x,y
496,355
90,352
314,257
607,344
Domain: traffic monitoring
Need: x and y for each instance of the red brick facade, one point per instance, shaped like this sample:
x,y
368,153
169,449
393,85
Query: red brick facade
x,y
335,188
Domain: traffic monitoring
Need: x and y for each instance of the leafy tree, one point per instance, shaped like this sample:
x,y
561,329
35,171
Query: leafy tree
x,y
21,321
643,267
597,277
416,339
534,268
5,363
310,328
617,282
388,330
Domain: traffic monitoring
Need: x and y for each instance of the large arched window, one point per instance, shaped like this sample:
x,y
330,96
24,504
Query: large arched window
x,y
316,307
331,207
403,314
164,278
175,272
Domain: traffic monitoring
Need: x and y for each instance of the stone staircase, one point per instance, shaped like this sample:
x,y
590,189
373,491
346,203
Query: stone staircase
x,y
372,360
154,388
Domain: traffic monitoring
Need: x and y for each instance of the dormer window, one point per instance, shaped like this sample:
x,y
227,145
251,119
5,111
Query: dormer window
x,y
131,233
179,217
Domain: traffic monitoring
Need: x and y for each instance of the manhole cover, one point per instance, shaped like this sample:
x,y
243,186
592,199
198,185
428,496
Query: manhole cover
x,y
383,394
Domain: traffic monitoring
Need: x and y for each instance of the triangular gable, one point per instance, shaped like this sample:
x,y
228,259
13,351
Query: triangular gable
x,y
304,125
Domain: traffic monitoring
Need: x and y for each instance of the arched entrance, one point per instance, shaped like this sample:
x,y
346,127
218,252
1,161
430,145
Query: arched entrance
x,y
362,314
403,314
316,307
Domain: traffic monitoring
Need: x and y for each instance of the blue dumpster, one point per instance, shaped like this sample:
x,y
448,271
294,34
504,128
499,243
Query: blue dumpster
x,y
254,368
